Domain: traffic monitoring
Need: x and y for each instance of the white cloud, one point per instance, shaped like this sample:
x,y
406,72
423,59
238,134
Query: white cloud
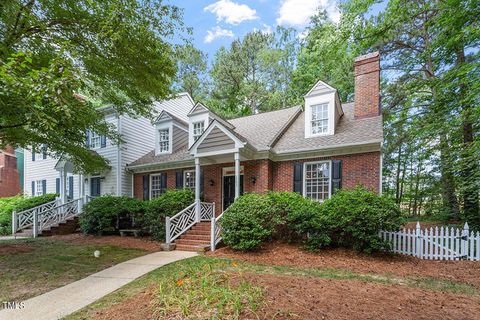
x,y
231,12
217,32
297,13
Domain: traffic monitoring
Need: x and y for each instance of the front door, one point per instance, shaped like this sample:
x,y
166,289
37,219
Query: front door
x,y
229,190
95,187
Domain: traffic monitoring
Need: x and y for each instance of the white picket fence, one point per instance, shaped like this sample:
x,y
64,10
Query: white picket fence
x,y
435,243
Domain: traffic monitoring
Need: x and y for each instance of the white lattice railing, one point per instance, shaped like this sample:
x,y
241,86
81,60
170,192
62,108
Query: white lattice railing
x,y
45,216
24,219
207,211
185,219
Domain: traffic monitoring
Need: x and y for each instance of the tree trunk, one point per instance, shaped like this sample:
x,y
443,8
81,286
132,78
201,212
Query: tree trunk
x,y
450,201
469,167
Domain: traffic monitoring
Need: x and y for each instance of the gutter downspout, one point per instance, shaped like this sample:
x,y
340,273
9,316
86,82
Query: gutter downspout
x,y
119,158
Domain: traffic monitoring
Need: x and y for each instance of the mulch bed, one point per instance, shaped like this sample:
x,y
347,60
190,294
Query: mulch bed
x,y
291,255
290,297
118,241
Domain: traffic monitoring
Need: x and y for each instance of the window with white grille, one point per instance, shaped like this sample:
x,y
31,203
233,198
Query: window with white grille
x,y
320,118
38,188
164,140
156,188
198,128
189,179
95,140
317,180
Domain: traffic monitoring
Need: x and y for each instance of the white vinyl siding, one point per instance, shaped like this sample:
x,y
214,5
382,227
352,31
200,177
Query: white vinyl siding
x,y
320,119
317,177
164,140
189,179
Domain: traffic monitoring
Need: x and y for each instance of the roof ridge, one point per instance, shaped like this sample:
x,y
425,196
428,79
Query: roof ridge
x,y
271,111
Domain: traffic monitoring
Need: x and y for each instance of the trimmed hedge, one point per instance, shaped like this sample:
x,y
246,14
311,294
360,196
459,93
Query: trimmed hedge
x,y
108,214
350,218
167,205
18,203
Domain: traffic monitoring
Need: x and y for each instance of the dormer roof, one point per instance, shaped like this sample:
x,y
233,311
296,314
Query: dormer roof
x,y
167,116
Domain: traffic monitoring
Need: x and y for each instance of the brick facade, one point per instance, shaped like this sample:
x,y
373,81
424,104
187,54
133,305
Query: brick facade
x,y
9,176
367,86
363,169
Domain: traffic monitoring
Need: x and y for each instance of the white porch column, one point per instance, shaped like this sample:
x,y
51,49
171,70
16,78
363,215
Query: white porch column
x,y
80,193
63,185
237,174
197,188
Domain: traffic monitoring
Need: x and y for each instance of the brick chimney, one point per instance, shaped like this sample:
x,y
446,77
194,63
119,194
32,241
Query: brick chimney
x,y
367,85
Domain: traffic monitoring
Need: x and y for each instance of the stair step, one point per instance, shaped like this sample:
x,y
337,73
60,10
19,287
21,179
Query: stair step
x,y
190,236
192,248
191,242
199,232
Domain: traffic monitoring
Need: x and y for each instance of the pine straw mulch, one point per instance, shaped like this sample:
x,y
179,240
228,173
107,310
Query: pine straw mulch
x,y
283,254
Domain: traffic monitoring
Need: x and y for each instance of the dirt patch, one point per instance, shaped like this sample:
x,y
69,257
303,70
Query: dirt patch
x,y
123,242
291,255
137,307
289,297
15,248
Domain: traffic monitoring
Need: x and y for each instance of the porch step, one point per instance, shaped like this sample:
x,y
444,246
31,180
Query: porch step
x,y
196,239
67,227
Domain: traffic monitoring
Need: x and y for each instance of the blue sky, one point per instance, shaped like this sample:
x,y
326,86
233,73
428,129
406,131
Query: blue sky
x,y
216,23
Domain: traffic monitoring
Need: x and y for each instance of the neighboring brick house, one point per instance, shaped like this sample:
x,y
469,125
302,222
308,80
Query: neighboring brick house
x,y
312,149
9,175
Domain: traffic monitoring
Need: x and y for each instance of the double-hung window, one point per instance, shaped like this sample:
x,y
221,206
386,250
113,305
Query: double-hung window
x,y
38,188
95,140
157,186
317,180
164,140
189,179
198,128
320,118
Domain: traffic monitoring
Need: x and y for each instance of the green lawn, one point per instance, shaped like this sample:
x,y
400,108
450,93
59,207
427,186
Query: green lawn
x,y
38,265
218,288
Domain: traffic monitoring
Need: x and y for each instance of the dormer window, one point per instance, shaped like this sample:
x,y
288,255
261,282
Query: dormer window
x,y
164,140
198,128
319,119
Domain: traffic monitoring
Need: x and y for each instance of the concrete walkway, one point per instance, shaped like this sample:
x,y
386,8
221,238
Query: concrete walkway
x,y
63,301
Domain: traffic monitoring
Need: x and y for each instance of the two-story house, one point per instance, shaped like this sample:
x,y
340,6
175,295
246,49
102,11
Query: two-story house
x,y
44,174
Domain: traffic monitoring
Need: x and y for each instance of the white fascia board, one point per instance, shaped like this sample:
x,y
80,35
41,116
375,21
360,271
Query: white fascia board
x,y
216,124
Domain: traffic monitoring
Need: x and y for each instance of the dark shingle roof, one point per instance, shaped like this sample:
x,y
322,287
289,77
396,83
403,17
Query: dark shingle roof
x,y
261,129
150,158
349,131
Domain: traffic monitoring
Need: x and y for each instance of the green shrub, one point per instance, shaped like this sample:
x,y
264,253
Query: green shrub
x,y
110,213
167,205
353,218
18,203
249,221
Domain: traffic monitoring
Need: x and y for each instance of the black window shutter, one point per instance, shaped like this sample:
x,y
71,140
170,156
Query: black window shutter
x,y
87,138
298,177
33,155
146,193
163,182
336,175
57,186
44,151
44,187
70,187
103,141
179,179
33,188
